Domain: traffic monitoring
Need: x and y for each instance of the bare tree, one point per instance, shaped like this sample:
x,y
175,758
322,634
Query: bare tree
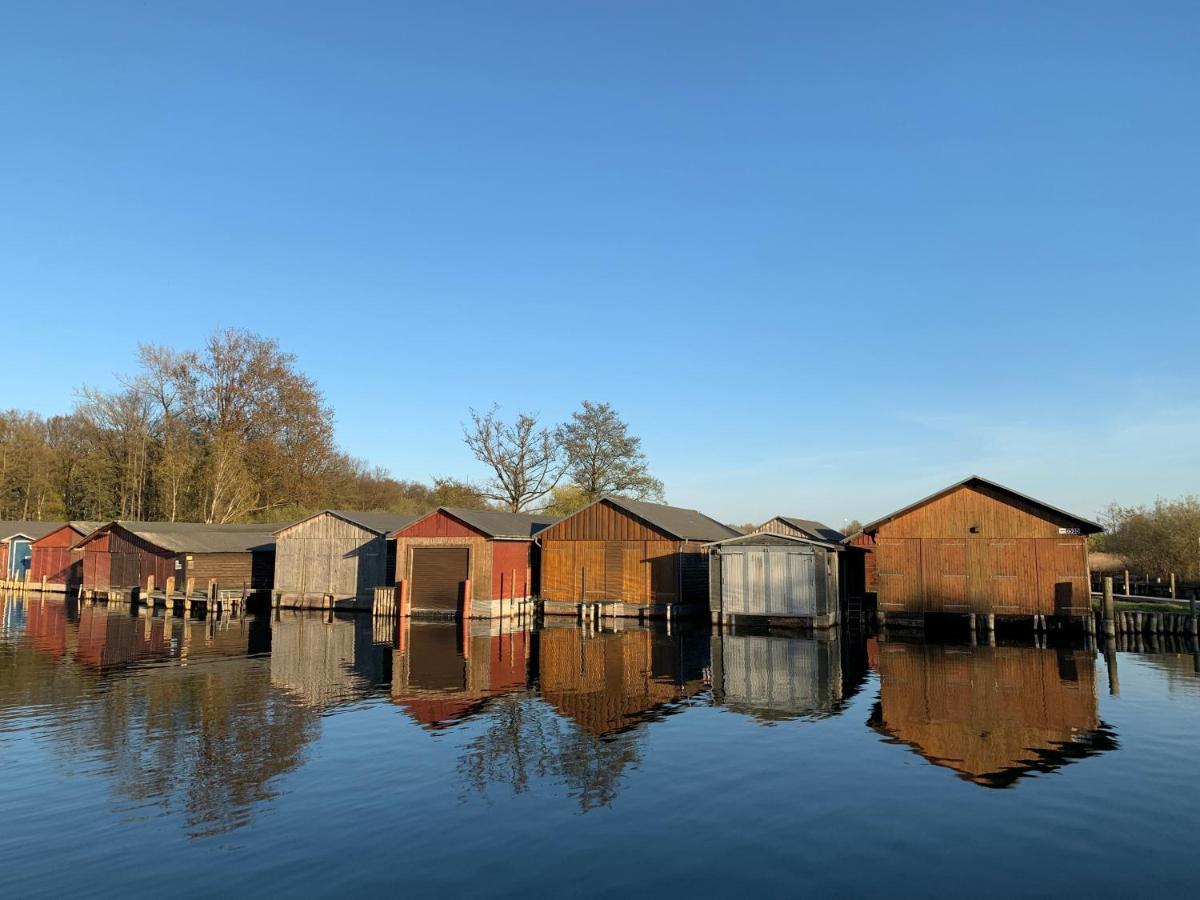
x,y
524,459
603,457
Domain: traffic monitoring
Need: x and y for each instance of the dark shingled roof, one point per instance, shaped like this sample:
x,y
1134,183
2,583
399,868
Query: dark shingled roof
x,y
1086,525
497,523
685,524
378,522
814,529
26,528
197,537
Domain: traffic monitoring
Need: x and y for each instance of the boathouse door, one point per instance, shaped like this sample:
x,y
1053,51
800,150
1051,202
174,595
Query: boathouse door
x,y
437,577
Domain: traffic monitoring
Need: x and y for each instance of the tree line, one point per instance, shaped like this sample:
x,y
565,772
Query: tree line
x,y
235,432
1154,540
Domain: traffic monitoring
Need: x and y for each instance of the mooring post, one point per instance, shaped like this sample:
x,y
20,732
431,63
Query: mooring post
x,y
1192,617
467,599
1110,618
1173,597
1127,592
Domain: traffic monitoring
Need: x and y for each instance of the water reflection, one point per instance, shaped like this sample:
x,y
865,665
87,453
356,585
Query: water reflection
x,y
445,672
776,677
202,719
992,714
178,715
324,660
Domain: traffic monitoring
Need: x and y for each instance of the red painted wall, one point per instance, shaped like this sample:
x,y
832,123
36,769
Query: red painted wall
x,y
438,525
52,557
118,559
507,556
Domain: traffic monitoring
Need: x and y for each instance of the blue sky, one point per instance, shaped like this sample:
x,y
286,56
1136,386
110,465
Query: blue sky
x,y
824,258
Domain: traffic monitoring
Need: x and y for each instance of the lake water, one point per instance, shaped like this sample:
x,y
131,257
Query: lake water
x,y
298,756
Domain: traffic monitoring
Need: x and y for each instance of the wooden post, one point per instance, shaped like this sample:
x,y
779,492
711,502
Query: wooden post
x,y
466,605
1173,597
212,589
1110,618
43,584
191,585
170,586
1192,611
1127,593
404,601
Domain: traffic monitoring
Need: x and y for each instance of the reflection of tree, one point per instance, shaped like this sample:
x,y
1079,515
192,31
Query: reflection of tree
x,y
205,740
524,740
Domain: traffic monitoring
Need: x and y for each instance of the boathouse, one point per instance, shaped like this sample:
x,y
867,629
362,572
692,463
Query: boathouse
x,y
55,564
123,556
629,556
490,551
977,547
335,558
783,578
16,538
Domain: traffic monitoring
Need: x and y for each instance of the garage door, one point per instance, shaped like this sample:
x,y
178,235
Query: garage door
x,y
438,574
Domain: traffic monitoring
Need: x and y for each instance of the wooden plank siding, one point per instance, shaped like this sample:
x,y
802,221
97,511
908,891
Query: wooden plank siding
x,y
255,571
54,560
975,551
325,555
603,553
120,560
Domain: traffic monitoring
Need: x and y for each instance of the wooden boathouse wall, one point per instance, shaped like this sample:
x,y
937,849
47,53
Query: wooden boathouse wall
x,y
253,570
977,549
54,559
327,555
604,553
118,559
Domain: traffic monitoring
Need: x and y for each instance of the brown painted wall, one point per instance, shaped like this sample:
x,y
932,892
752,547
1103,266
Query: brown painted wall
x,y
232,570
976,551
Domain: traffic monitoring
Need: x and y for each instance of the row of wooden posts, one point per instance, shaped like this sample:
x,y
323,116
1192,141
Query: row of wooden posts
x,y
1133,622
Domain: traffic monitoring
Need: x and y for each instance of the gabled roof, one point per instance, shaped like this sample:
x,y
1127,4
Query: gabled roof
x,y
378,522
812,528
27,529
493,523
680,523
775,538
1086,525
80,528
193,537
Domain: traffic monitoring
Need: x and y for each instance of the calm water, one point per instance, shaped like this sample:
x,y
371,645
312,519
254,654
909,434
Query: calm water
x,y
303,757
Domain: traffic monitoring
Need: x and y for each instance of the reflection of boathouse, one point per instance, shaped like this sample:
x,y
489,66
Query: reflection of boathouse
x,y
444,672
993,714
774,677
325,662
610,681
